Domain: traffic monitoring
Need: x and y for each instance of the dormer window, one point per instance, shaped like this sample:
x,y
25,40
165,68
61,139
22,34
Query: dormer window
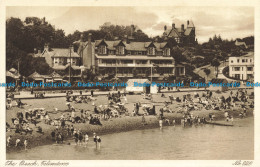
x,y
102,49
167,52
151,51
120,50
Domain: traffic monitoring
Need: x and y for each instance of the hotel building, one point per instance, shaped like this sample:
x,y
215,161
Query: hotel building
x,y
242,67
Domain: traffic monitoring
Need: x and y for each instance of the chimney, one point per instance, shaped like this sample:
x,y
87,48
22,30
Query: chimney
x,y
165,28
72,48
182,27
188,22
126,40
81,37
156,39
173,25
89,38
46,47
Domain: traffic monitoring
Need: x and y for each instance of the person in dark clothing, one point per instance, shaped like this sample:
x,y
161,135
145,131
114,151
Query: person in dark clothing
x,y
53,135
80,138
137,108
153,110
76,136
95,110
92,93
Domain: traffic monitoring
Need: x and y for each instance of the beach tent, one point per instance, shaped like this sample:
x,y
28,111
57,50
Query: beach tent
x,y
144,86
131,87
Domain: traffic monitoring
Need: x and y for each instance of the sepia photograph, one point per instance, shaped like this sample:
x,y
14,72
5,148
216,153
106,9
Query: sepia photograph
x,y
129,83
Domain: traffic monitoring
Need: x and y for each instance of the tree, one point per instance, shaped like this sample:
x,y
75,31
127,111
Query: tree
x,y
215,63
207,72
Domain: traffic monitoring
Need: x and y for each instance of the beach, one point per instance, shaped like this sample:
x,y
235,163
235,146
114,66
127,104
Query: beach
x,y
114,125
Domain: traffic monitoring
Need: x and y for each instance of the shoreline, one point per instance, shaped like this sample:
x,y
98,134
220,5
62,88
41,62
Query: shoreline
x,y
116,125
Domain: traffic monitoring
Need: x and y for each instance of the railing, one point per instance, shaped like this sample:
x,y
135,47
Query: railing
x,y
133,65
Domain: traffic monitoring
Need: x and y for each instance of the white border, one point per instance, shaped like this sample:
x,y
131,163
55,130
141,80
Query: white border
x,y
184,163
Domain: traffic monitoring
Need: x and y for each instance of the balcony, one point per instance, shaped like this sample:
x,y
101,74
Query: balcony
x,y
133,65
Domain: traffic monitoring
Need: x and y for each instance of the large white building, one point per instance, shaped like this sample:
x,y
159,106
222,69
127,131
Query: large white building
x,y
242,67
129,59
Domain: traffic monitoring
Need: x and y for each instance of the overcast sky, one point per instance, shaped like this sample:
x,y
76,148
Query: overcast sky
x,y
229,22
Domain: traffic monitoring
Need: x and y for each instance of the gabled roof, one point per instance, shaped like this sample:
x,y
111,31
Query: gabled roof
x,y
36,75
191,25
13,70
61,52
188,31
174,33
12,75
60,67
55,75
133,46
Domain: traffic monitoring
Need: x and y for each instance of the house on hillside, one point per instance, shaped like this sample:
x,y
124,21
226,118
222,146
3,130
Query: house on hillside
x,y
181,35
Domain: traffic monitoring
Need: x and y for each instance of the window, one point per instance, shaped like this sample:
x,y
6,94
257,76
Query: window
x,y
120,50
249,76
249,68
231,61
151,51
237,68
102,49
250,60
237,76
177,40
167,52
238,60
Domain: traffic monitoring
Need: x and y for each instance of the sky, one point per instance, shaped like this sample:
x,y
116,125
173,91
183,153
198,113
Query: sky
x,y
229,22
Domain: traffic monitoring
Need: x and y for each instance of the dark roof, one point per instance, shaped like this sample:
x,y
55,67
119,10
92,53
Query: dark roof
x,y
133,46
61,52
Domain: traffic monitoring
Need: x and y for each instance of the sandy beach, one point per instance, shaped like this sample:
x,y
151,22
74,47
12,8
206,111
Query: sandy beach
x,y
113,125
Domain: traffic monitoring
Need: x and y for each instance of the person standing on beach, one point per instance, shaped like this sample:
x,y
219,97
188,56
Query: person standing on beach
x,y
76,137
80,138
8,140
173,122
125,99
25,144
137,108
160,123
86,139
99,141
95,138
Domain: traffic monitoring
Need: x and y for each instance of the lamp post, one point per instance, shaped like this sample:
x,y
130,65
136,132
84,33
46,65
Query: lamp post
x,y
70,65
151,73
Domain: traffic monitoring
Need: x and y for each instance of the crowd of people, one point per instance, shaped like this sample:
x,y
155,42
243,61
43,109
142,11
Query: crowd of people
x,y
26,121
